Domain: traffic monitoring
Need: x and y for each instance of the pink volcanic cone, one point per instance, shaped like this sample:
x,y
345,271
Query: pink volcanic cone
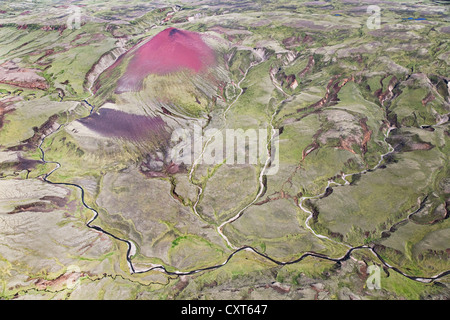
x,y
169,51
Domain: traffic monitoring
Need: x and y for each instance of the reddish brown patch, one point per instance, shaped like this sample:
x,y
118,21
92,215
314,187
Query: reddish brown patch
x,y
430,97
57,283
46,204
308,67
31,207
334,86
288,81
148,168
58,201
318,290
180,286
310,148
387,94
14,75
367,134
280,288
346,144
295,41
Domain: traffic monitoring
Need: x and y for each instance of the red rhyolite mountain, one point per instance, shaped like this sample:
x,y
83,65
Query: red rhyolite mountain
x,y
169,51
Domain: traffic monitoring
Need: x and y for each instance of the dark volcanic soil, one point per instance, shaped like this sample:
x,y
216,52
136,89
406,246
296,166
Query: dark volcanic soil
x,y
117,124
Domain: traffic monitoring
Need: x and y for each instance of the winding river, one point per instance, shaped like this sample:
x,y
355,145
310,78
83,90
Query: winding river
x,y
132,247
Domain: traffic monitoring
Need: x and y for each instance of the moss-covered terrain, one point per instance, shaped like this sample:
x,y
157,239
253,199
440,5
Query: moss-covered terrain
x,y
362,178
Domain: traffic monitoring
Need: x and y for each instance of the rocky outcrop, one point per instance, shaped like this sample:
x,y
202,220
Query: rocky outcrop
x,y
308,67
287,81
160,166
105,61
12,74
387,95
430,97
331,95
286,57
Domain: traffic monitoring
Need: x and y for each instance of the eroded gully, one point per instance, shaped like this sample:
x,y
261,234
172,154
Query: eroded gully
x,y
131,247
